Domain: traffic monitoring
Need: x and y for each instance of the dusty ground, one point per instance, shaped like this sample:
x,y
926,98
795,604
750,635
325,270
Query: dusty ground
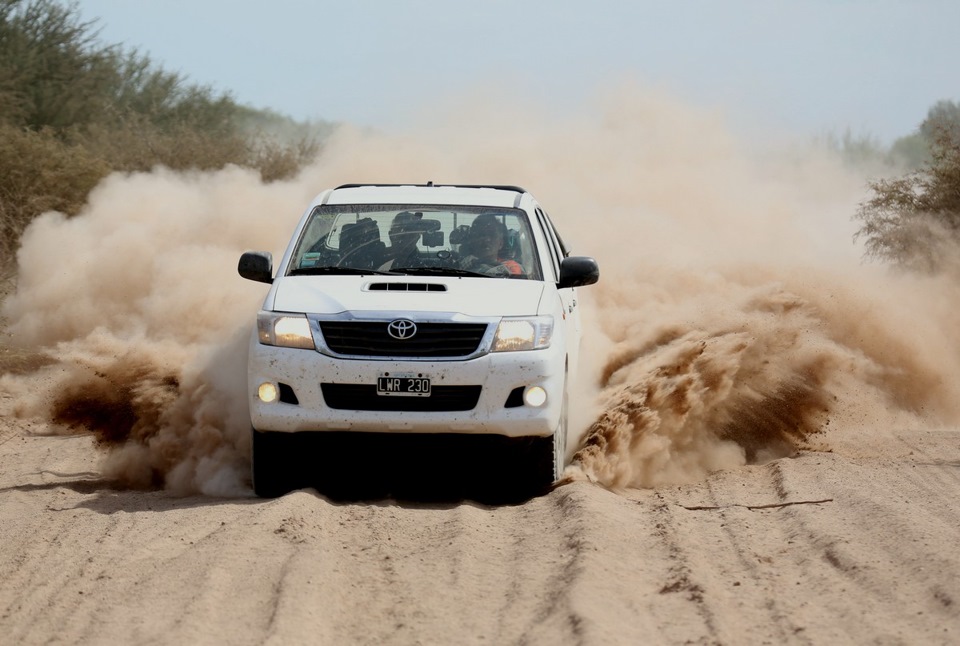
x,y
857,545
731,301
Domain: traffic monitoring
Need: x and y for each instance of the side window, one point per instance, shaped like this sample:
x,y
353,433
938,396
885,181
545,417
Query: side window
x,y
551,241
564,252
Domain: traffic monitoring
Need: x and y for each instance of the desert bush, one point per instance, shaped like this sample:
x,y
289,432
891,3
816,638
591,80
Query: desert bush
x,y
854,150
73,109
136,144
942,123
54,72
39,173
914,221
277,161
910,152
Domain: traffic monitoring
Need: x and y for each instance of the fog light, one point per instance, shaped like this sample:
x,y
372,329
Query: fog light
x,y
535,396
267,392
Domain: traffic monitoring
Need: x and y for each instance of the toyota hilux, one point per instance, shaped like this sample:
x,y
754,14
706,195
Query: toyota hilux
x,y
405,322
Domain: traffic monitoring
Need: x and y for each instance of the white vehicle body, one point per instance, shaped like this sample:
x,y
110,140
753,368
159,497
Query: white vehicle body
x,y
345,370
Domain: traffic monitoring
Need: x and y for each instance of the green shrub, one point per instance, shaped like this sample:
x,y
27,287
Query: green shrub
x,y
39,173
914,221
73,109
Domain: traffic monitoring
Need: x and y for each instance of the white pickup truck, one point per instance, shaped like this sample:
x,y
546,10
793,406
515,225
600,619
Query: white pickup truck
x,y
415,327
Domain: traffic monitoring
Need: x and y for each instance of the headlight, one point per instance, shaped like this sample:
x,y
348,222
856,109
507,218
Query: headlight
x,y
526,333
286,330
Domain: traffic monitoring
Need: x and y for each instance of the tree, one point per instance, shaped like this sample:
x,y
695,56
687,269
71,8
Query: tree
x,y
914,221
55,76
73,109
54,73
942,123
910,151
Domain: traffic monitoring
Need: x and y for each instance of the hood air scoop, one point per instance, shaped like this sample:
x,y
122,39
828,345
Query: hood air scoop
x,y
406,287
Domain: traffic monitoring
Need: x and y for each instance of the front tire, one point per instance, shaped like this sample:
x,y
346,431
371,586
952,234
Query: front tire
x,y
560,440
270,465
546,457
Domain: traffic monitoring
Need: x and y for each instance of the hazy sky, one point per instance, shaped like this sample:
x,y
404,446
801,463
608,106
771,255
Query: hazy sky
x,y
809,66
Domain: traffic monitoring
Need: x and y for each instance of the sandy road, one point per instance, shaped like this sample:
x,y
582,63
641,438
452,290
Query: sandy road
x,y
713,562
730,294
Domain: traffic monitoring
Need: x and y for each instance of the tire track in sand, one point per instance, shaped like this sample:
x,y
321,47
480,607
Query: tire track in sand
x,y
394,573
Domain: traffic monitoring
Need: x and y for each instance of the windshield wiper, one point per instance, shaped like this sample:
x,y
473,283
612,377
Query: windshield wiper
x,y
343,271
438,271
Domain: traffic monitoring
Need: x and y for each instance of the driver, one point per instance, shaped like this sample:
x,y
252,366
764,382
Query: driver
x,y
405,232
483,246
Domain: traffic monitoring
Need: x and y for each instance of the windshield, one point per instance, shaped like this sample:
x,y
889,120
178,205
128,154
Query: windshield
x,y
417,239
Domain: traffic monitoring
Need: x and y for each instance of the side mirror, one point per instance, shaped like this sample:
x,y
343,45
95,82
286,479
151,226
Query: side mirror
x,y
256,265
577,271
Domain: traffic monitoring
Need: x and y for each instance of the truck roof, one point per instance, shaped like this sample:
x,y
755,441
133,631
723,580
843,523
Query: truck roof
x,y
430,193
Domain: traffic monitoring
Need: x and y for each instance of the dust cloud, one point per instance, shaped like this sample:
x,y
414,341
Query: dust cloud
x,y
734,320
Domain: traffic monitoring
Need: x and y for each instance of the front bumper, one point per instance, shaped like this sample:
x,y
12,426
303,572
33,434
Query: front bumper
x,y
497,374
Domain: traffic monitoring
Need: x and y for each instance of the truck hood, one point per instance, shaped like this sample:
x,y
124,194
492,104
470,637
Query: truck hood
x,y
469,296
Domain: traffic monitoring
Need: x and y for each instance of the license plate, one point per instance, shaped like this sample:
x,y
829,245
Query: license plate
x,y
403,386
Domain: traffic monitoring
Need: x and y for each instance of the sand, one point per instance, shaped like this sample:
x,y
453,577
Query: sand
x,y
855,545
770,428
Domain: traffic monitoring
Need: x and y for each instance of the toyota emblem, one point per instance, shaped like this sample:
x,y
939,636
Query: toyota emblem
x,y
402,329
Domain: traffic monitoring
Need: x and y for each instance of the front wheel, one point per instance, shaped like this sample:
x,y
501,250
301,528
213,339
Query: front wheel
x,y
546,457
560,441
271,468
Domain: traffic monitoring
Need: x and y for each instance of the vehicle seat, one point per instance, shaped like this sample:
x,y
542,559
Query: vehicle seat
x,y
360,244
512,249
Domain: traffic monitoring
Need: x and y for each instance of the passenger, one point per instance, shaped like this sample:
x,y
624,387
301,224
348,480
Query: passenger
x,y
483,249
405,232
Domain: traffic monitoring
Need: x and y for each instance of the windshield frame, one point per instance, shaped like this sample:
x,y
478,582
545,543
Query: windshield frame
x,y
443,233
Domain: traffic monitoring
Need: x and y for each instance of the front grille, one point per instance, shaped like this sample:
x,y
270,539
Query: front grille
x,y
364,397
370,339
